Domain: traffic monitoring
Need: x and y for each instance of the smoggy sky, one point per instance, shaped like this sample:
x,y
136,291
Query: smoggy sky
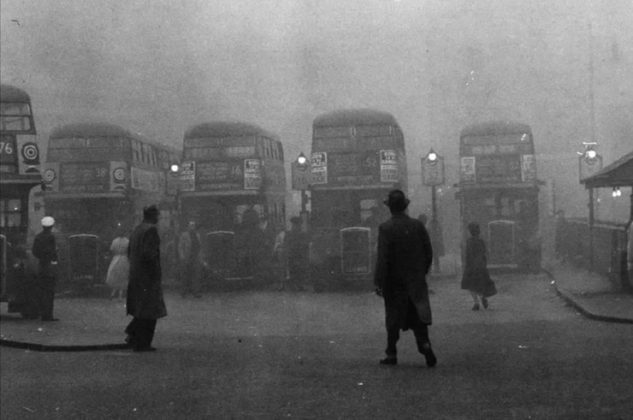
x,y
158,66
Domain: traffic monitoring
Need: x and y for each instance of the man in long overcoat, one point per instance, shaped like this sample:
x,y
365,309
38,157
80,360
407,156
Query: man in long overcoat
x,y
403,261
144,294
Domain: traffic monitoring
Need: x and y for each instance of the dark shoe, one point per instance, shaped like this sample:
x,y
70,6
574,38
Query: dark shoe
x,y
144,349
129,340
389,361
50,319
427,351
476,307
484,302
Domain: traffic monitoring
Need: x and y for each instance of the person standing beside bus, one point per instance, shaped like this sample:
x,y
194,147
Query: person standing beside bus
x,y
145,293
189,254
476,278
45,250
297,244
119,268
404,258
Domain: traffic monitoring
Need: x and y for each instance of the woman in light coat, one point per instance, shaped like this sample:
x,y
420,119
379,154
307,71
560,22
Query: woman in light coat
x,y
119,269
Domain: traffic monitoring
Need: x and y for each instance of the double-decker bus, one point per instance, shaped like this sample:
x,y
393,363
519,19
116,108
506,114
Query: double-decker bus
x,y
233,185
19,175
358,156
498,189
98,177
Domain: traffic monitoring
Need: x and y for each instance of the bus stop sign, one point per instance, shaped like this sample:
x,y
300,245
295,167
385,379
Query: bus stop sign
x,y
433,171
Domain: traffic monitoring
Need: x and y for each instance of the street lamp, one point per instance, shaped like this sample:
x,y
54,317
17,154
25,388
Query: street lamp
x,y
433,176
590,162
301,182
302,159
173,185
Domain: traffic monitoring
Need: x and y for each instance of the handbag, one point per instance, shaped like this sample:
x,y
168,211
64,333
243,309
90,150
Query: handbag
x,y
490,289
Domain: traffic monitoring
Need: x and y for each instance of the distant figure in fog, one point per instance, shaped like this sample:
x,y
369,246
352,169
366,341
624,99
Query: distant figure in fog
x,y
144,294
119,269
434,228
437,242
45,250
189,247
404,258
280,257
25,267
297,246
251,244
560,240
476,278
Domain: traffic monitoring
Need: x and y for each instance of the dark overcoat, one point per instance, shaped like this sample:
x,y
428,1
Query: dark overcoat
x,y
145,292
403,261
475,276
45,250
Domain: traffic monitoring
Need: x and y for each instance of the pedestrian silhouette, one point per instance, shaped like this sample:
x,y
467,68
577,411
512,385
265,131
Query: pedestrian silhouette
x,y
45,250
404,259
145,294
476,278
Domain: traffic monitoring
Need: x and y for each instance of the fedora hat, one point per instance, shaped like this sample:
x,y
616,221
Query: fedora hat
x,y
396,200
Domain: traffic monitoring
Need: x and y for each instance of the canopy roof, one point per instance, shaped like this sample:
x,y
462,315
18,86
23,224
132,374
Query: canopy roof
x,y
617,174
10,93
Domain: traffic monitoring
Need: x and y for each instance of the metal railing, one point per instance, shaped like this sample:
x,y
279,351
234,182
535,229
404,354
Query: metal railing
x,y
608,256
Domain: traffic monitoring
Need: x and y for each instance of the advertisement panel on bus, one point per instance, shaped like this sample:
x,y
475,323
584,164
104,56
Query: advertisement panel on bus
x,y
369,167
231,175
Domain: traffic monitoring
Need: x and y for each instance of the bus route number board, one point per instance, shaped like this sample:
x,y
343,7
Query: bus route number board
x,y
7,150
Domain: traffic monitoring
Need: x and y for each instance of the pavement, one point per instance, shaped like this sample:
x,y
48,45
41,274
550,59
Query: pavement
x,y
595,296
96,323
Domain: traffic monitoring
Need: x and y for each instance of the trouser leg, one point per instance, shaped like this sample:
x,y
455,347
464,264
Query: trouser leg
x,y
393,335
185,278
421,333
194,271
145,333
141,332
46,298
130,330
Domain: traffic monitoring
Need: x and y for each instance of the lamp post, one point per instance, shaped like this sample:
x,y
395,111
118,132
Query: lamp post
x,y
433,175
174,176
173,187
301,181
589,162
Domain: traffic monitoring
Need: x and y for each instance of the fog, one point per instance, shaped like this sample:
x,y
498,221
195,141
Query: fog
x,y
157,67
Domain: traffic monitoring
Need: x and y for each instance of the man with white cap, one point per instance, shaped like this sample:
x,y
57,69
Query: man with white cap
x,y
45,250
